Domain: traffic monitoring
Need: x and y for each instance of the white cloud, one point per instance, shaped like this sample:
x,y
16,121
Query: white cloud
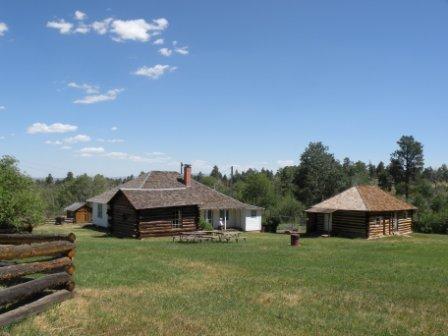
x,y
119,30
2,108
2,137
154,72
77,138
111,140
56,142
80,15
102,27
285,163
97,98
136,158
159,24
165,52
53,128
82,29
182,50
61,25
89,151
114,128
88,88
137,30
66,147
3,28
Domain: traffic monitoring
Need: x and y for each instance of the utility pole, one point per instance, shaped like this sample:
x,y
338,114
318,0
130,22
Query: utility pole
x,y
181,168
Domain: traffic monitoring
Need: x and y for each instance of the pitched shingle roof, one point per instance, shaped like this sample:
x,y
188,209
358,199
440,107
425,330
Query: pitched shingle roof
x,y
106,196
159,189
75,206
363,198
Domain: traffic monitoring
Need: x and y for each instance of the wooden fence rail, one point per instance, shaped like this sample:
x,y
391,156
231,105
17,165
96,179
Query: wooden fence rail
x,y
32,286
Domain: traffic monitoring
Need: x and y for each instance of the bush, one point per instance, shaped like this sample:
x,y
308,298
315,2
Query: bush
x,y
21,206
204,225
432,222
271,221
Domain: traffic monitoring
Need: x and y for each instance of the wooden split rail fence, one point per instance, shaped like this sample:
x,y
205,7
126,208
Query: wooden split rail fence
x,y
36,271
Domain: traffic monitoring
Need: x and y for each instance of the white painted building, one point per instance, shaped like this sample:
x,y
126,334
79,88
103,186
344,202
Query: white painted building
x,y
174,189
245,219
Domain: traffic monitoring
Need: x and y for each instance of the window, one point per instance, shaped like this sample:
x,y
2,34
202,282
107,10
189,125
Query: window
x,y
253,213
209,216
379,220
224,215
177,220
99,210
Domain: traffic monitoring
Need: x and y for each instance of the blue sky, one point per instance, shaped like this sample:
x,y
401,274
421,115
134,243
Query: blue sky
x,y
246,83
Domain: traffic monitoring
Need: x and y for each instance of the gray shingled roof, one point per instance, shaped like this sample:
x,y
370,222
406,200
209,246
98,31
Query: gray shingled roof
x,y
363,198
160,189
75,206
106,196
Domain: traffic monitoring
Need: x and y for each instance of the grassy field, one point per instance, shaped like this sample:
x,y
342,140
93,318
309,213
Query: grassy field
x,y
328,286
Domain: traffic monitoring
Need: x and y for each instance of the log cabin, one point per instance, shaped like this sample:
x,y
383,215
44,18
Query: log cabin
x,y
80,212
162,203
362,211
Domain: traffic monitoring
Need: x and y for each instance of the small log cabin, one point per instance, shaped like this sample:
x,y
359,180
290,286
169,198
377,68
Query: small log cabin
x,y
80,212
165,203
362,211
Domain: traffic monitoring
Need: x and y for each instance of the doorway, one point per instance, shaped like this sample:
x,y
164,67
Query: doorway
x,y
328,222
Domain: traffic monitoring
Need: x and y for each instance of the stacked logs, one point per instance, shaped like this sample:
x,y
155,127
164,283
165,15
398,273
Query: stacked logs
x,y
32,286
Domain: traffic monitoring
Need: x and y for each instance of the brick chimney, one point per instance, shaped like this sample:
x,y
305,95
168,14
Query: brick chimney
x,y
187,175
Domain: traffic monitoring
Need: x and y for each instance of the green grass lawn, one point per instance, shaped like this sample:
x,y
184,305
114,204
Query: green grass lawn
x,y
328,286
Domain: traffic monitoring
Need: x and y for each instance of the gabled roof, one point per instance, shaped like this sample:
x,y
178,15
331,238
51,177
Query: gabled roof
x,y
106,196
75,206
362,198
159,189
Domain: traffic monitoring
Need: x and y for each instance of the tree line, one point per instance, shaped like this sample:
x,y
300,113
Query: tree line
x,y
284,194
318,175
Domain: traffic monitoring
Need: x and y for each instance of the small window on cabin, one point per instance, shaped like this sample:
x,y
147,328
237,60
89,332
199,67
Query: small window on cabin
x,y
253,213
379,219
209,216
177,220
224,214
99,210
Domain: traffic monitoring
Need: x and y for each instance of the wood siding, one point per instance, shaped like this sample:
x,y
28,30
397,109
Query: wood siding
x,y
382,223
123,217
350,224
159,222
83,215
362,224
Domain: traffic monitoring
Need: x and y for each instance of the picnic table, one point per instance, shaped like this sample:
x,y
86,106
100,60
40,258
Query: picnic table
x,y
214,235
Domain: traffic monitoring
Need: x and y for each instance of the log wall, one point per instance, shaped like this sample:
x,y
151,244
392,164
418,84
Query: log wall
x,y
159,222
350,224
382,223
123,217
51,268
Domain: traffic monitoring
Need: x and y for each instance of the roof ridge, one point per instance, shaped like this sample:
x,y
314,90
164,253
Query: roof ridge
x,y
145,179
152,189
362,198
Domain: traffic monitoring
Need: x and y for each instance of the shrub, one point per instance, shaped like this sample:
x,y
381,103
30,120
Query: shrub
x,y
21,206
204,225
432,222
272,223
